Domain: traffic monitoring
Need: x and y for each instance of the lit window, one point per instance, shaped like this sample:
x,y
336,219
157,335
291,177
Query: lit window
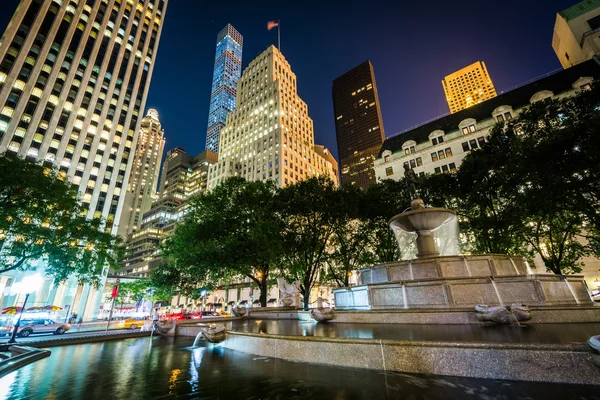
x,y
389,171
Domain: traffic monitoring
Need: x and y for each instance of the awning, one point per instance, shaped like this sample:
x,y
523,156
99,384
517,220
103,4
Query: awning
x,y
272,301
230,303
218,305
256,302
209,304
243,302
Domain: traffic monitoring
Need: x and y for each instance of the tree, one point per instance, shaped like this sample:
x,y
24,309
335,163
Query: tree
x,y
535,185
231,232
309,213
352,243
380,202
41,218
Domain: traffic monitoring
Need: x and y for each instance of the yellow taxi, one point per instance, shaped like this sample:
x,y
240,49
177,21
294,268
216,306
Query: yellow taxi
x,y
131,323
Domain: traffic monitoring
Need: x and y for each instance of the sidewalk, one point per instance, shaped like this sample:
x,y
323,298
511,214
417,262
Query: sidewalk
x,y
76,338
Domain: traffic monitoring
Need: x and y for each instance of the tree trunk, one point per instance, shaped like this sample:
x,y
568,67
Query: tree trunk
x,y
263,291
306,294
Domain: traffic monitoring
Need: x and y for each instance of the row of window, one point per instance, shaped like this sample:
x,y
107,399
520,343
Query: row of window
x,y
473,144
441,154
445,168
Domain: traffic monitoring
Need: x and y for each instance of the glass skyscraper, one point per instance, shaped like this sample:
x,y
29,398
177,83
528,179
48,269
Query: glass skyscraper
x,y
228,69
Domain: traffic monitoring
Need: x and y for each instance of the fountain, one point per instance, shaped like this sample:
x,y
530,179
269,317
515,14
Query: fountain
x,y
456,282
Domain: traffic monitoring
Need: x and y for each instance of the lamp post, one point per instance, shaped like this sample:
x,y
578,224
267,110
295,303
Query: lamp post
x,y
28,285
203,294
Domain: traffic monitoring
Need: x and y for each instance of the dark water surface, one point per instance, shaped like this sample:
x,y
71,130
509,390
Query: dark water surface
x,y
535,333
166,368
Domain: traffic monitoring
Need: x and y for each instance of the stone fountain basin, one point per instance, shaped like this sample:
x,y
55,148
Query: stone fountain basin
x,y
424,219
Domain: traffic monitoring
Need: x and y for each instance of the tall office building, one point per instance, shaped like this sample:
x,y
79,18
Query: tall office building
x,y
468,86
269,136
228,69
74,77
182,178
141,191
358,124
576,35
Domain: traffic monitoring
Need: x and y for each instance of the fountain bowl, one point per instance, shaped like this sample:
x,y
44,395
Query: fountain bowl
x,y
423,219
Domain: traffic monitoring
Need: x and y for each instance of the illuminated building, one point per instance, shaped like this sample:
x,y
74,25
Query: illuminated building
x,y
141,190
74,78
182,178
358,124
439,146
576,35
468,86
269,136
228,68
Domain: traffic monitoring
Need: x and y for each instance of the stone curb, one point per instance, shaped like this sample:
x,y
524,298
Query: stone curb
x,y
561,363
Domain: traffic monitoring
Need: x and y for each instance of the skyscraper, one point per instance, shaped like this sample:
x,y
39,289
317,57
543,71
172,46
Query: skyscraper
x,y
228,69
74,77
358,124
141,191
183,177
576,35
269,136
468,86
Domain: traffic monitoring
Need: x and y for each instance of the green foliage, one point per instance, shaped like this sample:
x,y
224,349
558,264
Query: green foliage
x,y
140,289
535,185
41,218
352,242
309,213
230,233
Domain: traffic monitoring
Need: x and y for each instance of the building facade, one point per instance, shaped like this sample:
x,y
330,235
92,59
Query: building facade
x,y
141,191
576,35
440,146
468,86
227,72
74,77
182,178
269,136
358,124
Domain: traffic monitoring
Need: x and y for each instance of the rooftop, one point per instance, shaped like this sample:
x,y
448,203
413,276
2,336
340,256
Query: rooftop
x,y
557,83
579,9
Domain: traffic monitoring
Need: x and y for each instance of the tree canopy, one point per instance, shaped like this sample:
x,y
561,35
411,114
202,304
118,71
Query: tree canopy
x,y
42,219
230,233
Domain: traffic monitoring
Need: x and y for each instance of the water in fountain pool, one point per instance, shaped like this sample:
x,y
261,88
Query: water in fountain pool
x,y
162,368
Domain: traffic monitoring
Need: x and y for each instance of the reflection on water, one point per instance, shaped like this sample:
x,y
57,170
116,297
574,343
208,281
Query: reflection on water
x,y
172,368
538,333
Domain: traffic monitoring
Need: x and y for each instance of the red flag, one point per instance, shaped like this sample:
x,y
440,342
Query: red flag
x,y
115,291
272,24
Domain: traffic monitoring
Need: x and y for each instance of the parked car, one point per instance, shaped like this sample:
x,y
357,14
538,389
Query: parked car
x,y
32,326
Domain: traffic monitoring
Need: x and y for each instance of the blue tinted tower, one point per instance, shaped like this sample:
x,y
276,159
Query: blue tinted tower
x,y
228,69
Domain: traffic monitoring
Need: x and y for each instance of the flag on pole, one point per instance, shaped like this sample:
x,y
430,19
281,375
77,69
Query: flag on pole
x,y
272,24
115,290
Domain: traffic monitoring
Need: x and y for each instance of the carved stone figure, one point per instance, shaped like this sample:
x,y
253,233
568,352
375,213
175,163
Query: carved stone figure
x,y
290,293
239,311
163,327
322,314
594,343
412,181
502,315
214,333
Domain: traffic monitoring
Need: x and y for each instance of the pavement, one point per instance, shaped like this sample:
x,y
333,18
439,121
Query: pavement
x,y
87,333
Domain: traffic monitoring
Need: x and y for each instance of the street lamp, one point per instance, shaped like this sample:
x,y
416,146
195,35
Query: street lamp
x,y
28,285
203,294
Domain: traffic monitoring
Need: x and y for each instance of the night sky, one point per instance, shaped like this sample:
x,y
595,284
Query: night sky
x,y
412,46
